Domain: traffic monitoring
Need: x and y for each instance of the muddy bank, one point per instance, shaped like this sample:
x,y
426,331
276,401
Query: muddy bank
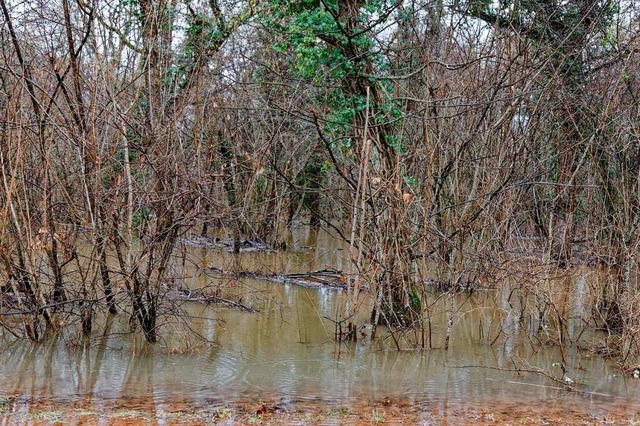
x,y
385,411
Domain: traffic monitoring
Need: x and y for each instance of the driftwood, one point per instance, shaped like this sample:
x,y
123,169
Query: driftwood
x,y
324,278
196,296
199,241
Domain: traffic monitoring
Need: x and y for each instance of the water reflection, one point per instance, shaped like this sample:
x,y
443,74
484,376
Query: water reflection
x,y
286,351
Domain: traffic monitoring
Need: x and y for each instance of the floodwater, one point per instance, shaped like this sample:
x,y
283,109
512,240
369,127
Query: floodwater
x,y
212,355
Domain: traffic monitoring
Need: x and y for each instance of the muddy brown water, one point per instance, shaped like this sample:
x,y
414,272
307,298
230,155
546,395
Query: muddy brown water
x,y
286,354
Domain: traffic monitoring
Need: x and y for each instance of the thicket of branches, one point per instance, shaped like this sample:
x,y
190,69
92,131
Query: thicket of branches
x,y
439,139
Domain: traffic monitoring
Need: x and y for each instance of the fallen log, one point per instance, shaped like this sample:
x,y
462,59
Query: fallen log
x,y
246,246
324,278
191,296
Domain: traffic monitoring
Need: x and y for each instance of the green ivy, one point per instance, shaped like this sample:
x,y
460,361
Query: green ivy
x,y
312,34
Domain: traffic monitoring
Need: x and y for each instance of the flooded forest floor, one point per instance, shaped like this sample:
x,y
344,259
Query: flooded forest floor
x,y
250,339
